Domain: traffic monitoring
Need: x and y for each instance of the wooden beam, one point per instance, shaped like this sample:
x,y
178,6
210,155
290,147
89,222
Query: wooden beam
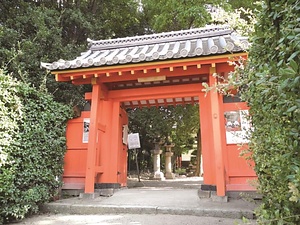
x,y
224,67
156,92
104,91
61,78
94,80
140,104
165,102
151,79
148,103
178,71
156,103
88,96
193,100
88,80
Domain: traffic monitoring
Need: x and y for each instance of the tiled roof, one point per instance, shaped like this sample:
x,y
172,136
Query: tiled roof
x,y
171,45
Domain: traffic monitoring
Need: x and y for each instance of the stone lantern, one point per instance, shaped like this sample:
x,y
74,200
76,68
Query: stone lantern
x,y
157,174
169,154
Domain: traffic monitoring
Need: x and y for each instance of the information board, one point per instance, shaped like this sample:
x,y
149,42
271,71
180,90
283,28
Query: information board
x,y
134,141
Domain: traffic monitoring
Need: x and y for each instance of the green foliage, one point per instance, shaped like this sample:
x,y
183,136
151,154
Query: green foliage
x,y
32,147
178,125
186,127
172,15
251,4
37,31
241,20
273,87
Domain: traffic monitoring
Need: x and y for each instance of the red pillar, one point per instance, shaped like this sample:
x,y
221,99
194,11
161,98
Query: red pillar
x,y
208,156
215,100
115,140
92,144
105,145
122,162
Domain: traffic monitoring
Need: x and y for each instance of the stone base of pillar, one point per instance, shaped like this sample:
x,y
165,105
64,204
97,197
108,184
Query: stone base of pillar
x,y
158,176
170,176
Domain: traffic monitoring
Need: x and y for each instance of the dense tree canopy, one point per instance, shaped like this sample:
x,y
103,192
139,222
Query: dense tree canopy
x,y
175,15
35,30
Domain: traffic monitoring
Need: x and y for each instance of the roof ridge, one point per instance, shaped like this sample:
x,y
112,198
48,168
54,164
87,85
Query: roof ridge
x,y
182,35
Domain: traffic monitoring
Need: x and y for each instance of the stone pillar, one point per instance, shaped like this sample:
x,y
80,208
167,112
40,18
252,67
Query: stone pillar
x,y
169,153
157,174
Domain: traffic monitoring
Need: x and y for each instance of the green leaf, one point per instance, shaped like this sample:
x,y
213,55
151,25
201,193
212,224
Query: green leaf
x,y
287,71
293,108
273,78
292,57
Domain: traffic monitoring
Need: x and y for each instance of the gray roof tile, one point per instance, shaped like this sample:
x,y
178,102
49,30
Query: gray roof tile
x,y
171,45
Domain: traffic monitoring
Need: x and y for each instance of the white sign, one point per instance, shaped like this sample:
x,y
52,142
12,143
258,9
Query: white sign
x,y
237,126
86,130
134,141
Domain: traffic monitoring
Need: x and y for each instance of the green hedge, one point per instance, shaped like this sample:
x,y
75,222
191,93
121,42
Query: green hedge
x,y
273,95
32,147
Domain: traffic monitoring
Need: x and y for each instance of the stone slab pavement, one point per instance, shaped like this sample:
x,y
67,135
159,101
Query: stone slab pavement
x,y
148,198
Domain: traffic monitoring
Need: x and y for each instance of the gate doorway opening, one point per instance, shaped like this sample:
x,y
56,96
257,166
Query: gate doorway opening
x,y
169,134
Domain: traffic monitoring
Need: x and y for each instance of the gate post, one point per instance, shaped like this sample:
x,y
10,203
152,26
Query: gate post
x,y
208,156
216,134
92,144
115,140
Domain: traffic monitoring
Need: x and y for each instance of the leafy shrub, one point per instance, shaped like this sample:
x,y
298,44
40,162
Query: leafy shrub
x,y
32,147
273,96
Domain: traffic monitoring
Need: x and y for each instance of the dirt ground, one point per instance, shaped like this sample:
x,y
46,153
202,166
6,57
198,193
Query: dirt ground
x,y
179,182
129,219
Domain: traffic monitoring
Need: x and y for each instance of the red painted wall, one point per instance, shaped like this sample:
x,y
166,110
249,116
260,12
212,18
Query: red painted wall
x,y
75,158
76,155
239,172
